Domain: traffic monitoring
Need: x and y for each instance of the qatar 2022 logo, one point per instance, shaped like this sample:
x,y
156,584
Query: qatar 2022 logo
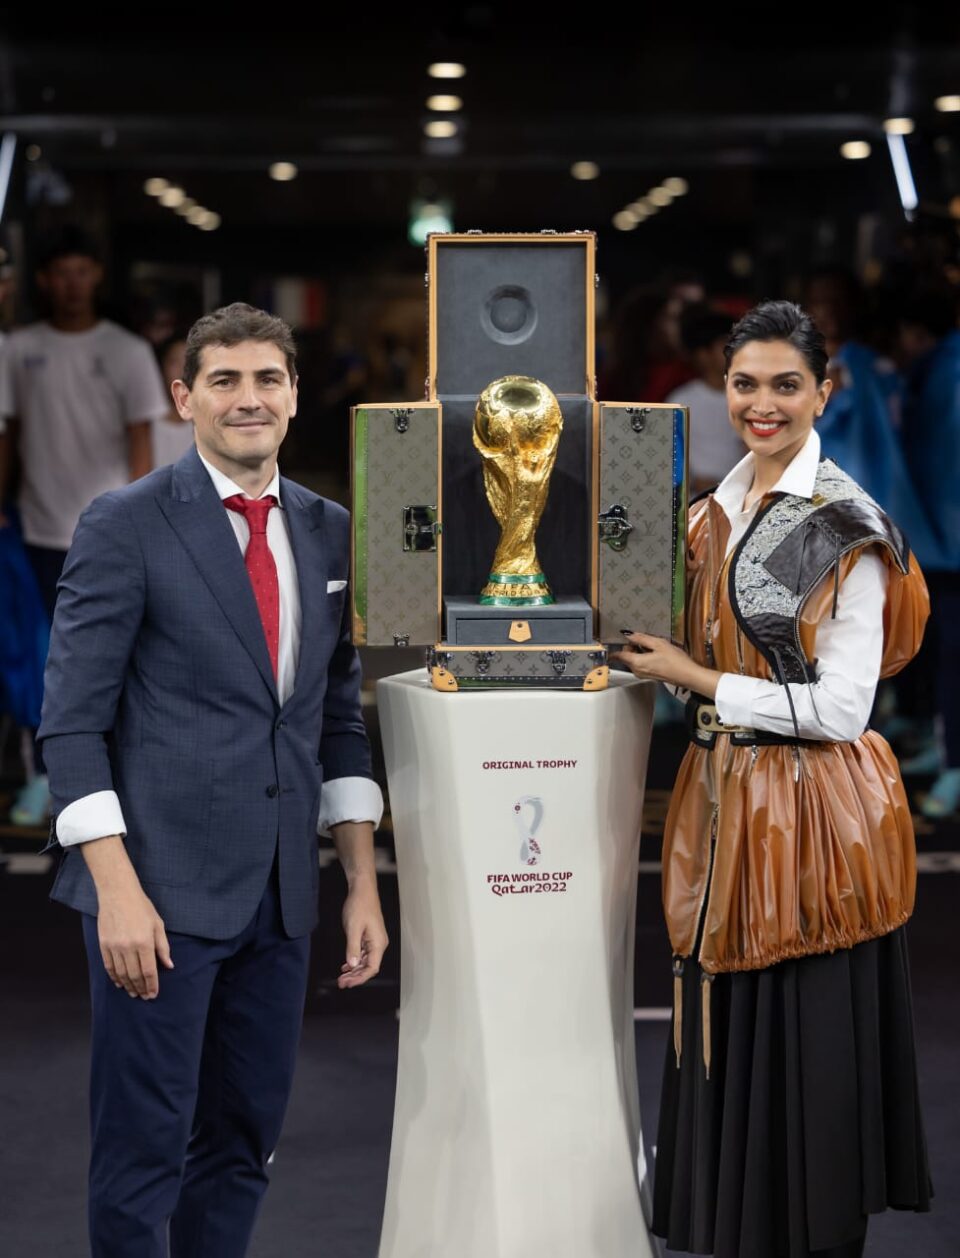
x,y
528,815
528,818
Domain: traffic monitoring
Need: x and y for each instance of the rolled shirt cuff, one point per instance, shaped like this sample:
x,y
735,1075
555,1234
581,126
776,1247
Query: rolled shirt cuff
x,y
349,799
735,698
91,817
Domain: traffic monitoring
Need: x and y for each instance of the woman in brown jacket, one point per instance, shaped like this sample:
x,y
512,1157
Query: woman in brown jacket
x,y
789,1109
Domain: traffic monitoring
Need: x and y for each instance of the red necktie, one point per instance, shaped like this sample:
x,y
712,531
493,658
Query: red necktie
x,y
261,566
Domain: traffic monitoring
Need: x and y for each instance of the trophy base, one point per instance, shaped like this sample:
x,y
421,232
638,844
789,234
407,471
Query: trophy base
x,y
470,621
508,590
500,600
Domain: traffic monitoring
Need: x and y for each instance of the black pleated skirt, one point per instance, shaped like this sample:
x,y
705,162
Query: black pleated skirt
x,y
810,1119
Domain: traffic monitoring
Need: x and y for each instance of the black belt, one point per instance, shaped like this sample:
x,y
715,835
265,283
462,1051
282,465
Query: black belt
x,y
704,728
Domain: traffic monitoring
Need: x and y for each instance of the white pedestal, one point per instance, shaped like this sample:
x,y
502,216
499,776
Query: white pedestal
x,y
517,1126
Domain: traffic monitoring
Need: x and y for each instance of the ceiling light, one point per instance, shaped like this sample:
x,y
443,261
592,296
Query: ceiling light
x,y
154,187
185,207
740,263
855,150
659,197
283,172
210,222
172,197
947,104
903,174
440,129
196,214
585,170
676,186
624,221
33,152
444,104
898,126
446,70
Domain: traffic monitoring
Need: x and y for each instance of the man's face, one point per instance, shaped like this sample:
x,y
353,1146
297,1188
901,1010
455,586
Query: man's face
x,y
70,283
240,405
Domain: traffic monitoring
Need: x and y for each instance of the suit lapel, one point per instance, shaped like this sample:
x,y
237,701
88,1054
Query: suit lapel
x,y
305,526
199,519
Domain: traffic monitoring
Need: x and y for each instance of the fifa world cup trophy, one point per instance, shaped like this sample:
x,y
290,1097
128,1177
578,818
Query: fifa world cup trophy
x,y
517,430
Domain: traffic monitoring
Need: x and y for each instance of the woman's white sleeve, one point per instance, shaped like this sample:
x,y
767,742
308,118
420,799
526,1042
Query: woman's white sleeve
x,y
849,649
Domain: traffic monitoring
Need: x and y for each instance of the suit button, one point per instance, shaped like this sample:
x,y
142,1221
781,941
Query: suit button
x,y
281,724
273,791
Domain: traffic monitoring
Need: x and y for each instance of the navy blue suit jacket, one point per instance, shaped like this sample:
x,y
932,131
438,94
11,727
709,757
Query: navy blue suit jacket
x,y
159,686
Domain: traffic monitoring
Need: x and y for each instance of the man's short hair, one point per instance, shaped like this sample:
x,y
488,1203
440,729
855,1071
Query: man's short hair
x,y
230,325
67,241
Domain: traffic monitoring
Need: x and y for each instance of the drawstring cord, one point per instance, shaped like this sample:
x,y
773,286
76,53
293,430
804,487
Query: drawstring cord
x,y
677,1007
783,682
831,535
706,987
706,990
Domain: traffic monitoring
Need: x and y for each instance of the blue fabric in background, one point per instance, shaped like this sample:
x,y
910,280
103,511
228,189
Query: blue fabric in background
x,y
24,631
857,432
932,431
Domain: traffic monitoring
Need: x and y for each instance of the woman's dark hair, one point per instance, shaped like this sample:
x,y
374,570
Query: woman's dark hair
x,y
781,321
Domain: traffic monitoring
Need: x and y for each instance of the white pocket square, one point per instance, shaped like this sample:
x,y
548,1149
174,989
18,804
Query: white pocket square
x,y
333,586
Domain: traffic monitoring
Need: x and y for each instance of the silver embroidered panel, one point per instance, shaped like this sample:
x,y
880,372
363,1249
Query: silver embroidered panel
x,y
758,591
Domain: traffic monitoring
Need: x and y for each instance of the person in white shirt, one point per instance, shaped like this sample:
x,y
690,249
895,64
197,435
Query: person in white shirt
x,y
714,445
172,435
78,395
789,861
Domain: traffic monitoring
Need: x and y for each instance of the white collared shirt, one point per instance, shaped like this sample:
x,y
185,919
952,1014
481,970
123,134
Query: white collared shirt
x,y
849,648
342,799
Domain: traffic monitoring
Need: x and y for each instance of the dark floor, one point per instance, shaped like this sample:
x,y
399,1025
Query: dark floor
x,y
330,1172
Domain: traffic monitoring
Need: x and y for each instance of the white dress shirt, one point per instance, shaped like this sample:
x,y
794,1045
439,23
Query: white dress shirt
x,y
849,648
342,799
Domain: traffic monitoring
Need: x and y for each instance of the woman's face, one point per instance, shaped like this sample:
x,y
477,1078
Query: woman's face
x,y
773,397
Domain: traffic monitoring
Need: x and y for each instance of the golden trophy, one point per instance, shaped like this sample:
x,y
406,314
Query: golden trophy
x,y
517,430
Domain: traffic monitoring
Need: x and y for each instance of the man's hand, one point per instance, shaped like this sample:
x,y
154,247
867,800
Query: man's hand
x,y
132,938
362,919
366,935
131,933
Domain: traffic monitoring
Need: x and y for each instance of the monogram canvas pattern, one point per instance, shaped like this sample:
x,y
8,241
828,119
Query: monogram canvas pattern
x,y
552,667
401,586
637,471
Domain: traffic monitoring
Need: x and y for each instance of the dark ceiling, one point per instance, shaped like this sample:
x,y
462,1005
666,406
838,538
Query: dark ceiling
x,y
749,105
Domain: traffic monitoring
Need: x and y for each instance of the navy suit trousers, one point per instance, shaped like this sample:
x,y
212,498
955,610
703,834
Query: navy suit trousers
x,y
188,1091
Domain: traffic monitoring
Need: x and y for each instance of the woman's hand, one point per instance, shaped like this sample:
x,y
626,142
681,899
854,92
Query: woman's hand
x,y
657,659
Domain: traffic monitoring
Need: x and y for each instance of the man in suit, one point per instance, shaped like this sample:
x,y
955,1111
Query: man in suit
x,y
201,689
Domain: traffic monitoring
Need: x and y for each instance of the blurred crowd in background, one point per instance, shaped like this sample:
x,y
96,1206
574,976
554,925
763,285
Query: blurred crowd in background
x,y
85,406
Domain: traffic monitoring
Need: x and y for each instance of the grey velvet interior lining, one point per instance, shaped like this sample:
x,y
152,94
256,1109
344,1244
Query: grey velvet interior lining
x,y
510,309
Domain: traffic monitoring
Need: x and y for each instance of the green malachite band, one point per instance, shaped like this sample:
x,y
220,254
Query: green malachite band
x,y
497,578
489,600
360,438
